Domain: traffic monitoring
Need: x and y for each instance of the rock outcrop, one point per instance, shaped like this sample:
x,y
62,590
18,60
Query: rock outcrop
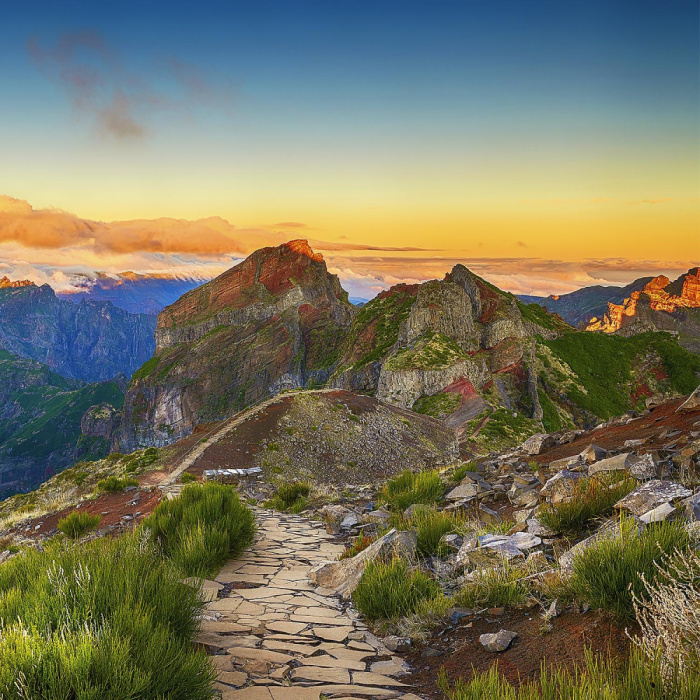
x,y
273,322
660,305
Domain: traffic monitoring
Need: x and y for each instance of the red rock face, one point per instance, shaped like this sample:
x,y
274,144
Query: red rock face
x,y
660,299
6,283
267,272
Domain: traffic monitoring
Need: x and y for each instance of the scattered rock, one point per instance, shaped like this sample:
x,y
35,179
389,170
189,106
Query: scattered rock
x,y
643,468
560,487
536,444
593,453
397,644
656,515
463,492
646,497
343,576
619,462
498,641
692,404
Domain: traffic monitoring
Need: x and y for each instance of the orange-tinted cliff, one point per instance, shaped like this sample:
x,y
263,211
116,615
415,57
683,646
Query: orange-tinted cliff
x,y
6,283
662,295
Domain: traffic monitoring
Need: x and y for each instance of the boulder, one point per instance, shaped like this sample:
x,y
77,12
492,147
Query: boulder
x,y
537,443
658,514
619,462
646,497
692,508
463,492
344,575
334,513
498,641
535,527
452,541
488,515
349,521
560,487
593,453
692,404
397,644
643,468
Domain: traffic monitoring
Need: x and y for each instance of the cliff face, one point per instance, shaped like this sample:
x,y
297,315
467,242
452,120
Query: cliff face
x,y
92,341
453,336
660,305
273,322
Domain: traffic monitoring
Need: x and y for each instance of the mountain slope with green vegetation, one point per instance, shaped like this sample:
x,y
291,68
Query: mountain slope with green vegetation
x,y
40,422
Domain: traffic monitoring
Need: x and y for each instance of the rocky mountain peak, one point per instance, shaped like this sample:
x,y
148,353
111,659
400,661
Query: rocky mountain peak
x,y
302,247
659,294
7,283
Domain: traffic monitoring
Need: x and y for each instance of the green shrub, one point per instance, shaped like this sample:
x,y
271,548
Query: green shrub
x,y
430,525
608,572
413,487
592,498
113,485
202,528
78,523
492,588
600,679
461,471
388,590
107,620
290,498
187,478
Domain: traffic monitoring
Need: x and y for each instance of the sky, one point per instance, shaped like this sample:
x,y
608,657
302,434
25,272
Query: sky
x,y
547,145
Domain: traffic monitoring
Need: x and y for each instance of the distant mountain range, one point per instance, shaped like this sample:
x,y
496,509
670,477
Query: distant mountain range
x,y
579,307
92,341
136,293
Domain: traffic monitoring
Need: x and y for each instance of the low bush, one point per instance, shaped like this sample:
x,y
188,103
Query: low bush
x,y
669,615
491,588
114,485
359,545
77,524
412,487
599,679
609,573
202,528
291,497
430,525
389,590
592,498
107,620
187,478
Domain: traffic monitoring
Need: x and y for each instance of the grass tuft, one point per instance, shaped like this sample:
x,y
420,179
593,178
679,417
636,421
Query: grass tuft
x,y
608,573
413,487
202,528
112,484
78,523
290,498
389,590
593,497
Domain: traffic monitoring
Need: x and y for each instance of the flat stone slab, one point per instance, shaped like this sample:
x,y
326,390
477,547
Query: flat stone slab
x,y
646,497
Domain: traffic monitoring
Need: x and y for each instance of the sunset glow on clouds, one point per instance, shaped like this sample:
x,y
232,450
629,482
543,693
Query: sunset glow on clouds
x,y
547,146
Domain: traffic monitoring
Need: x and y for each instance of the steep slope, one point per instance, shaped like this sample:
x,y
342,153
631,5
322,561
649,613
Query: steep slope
x,y
335,437
442,346
660,305
135,293
40,422
92,341
581,306
274,321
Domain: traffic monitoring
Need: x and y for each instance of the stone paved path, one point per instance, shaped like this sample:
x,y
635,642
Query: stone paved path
x,y
285,638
